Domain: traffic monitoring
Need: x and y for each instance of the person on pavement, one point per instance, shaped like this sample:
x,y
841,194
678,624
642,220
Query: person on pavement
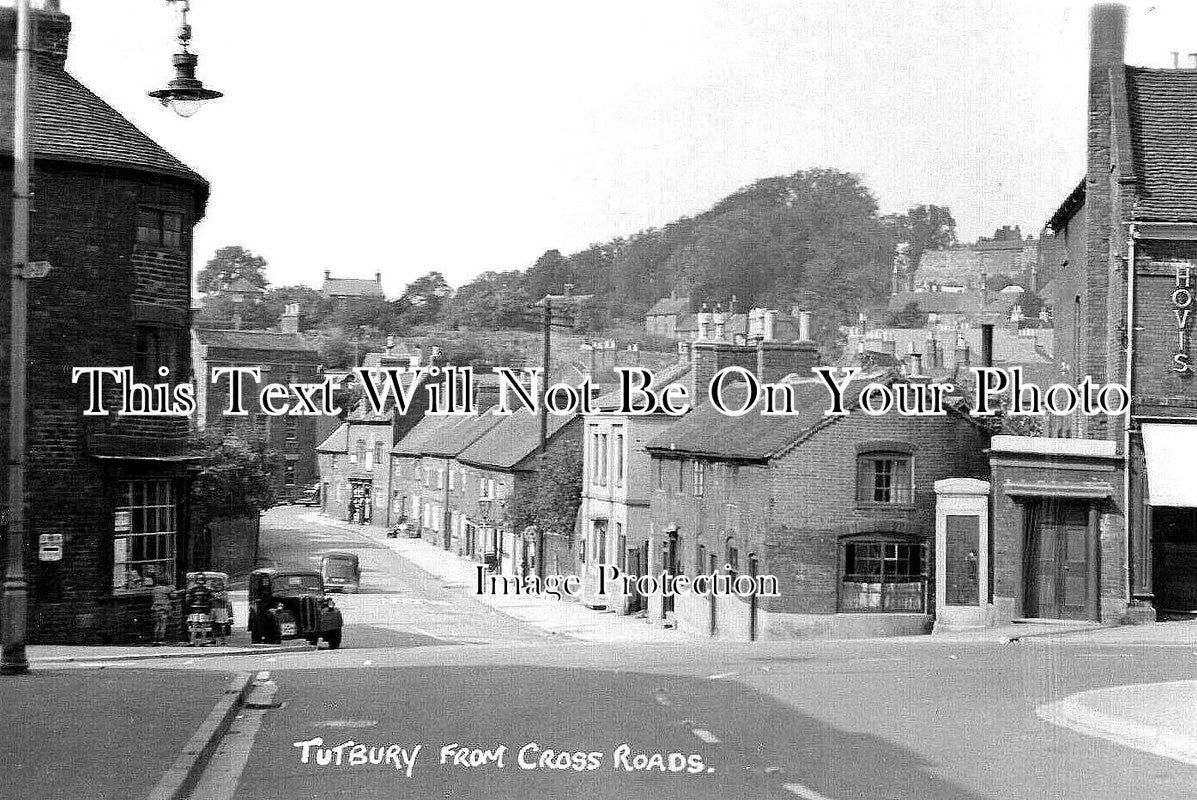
x,y
199,612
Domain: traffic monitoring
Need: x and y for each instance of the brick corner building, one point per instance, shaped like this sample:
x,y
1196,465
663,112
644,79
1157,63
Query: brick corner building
x,y
113,213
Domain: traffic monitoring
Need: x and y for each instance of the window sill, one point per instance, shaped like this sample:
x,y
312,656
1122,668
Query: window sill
x,y
868,505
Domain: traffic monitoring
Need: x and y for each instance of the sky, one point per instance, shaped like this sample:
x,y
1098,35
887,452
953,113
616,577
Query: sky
x,y
399,137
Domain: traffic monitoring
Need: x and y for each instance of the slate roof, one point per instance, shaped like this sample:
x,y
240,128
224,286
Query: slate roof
x,y
255,340
677,372
1163,123
337,441
511,441
669,305
352,287
72,124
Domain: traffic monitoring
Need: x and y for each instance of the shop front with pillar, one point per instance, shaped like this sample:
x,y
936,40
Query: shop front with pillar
x,y
1060,549
1169,498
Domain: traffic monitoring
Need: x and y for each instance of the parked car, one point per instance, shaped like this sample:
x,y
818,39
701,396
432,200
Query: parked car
x,y
342,572
218,582
291,604
309,496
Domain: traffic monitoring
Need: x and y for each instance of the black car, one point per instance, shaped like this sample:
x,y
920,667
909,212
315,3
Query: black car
x,y
291,604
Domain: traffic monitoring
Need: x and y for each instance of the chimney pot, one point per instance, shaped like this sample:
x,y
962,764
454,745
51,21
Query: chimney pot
x,y
804,326
328,274
1193,60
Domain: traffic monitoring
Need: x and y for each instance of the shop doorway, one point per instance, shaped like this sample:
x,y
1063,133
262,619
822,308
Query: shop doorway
x,y
1174,560
1060,561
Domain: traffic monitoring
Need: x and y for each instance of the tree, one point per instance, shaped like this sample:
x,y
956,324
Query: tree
x,y
231,262
552,501
423,298
235,479
493,300
924,227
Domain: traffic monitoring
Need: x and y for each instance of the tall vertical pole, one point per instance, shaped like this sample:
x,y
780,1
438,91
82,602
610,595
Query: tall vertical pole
x,y
12,659
544,373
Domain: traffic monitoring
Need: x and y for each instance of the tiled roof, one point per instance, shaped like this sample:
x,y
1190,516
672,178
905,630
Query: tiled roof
x,y
72,124
337,441
450,441
255,340
423,432
516,437
674,373
751,437
240,284
1163,123
939,302
352,287
670,305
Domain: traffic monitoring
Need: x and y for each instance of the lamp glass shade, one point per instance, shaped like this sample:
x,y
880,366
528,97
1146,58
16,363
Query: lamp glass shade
x,y
185,108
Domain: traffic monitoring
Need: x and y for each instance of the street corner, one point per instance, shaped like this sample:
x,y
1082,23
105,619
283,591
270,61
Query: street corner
x,y
1155,718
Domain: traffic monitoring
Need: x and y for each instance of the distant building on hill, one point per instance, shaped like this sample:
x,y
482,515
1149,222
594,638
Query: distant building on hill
x,y
341,291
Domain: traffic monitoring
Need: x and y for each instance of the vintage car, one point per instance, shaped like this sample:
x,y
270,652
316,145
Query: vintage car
x,y
218,582
291,604
341,572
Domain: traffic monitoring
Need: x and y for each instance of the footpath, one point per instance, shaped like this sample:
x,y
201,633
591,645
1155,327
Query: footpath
x,y
103,734
557,617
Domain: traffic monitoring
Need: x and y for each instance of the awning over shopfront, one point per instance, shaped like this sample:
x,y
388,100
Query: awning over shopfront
x,y
1171,464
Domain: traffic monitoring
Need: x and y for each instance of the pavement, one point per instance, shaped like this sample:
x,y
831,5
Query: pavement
x,y
71,726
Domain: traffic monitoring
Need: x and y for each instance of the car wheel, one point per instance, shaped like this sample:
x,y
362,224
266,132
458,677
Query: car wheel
x,y
333,638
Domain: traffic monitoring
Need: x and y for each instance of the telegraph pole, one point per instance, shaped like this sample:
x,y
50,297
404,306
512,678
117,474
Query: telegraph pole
x,y
16,590
547,333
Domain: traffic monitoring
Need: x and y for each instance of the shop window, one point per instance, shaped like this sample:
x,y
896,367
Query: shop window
x,y
884,477
880,575
158,227
145,527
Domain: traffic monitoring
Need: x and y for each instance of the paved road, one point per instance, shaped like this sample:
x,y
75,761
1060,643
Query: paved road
x,y
878,720
399,604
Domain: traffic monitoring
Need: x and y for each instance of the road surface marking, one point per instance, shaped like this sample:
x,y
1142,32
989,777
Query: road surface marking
x,y
803,791
346,723
721,675
262,676
706,736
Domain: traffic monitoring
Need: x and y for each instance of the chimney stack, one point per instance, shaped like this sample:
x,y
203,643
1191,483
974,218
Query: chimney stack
x,y
804,326
289,323
1193,60
987,344
378,278
51,32
962,352
328,274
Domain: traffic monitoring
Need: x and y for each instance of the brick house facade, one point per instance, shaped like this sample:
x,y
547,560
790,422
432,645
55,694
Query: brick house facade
x,y
284,357
113,213
840,510
1100,528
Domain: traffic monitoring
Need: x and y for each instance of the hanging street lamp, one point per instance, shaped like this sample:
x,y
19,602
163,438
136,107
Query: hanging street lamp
x,y
185,93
